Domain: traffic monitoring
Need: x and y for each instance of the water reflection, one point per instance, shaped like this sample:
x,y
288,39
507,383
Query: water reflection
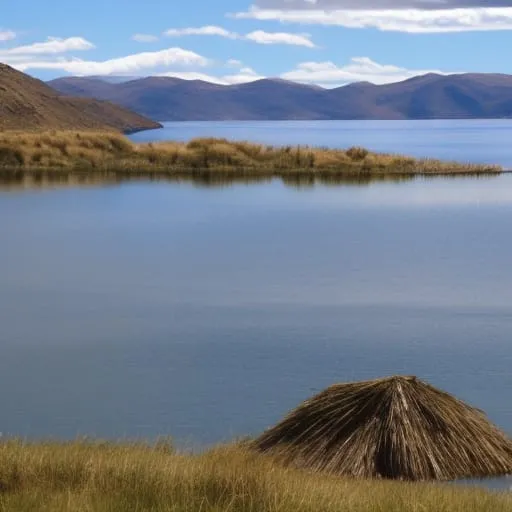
x,y
21,180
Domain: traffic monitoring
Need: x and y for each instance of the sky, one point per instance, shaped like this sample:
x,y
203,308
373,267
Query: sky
x,y
323,42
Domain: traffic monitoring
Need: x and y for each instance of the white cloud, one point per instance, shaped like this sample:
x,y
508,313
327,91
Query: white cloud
x,y
258,36
245,75
359,69
234,63
209,30
144,38
193,75
7,35
378,4
53,45
261,37
123,65
397,20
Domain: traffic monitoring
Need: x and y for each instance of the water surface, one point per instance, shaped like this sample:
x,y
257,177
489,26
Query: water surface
x,y
477,141
148,309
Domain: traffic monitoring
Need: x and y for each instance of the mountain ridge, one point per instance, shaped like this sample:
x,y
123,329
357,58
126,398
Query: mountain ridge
x,y
430,96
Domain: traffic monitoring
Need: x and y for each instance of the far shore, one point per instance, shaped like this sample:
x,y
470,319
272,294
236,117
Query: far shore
x,y
60,153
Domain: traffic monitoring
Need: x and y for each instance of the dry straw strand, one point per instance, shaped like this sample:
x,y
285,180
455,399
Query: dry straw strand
x,y
398,428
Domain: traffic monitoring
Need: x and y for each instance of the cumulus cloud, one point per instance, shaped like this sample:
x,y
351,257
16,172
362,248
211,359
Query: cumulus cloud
x,y
144,38
131,64
7,35
261,37
359,69
411,20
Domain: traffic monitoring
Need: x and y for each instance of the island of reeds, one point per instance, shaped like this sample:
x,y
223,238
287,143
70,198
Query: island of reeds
x,y
110,477
61,153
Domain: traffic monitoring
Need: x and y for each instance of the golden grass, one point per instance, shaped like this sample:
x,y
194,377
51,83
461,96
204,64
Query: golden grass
x,y
397,427
86,476
63,152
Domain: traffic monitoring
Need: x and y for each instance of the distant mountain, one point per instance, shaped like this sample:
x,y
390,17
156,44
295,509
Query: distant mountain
x,y
430,96
27,103
443,97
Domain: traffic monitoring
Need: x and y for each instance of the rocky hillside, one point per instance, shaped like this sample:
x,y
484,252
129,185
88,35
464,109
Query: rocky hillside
x,y
28,104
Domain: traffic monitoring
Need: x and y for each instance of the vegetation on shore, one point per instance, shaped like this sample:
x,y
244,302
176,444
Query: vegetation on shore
x,y
82,475
58,153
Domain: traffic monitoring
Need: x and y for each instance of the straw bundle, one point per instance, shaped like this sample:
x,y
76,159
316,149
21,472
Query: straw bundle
x,y
397,428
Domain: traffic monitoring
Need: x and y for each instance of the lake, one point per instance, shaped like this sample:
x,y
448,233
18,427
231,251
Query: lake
x,y
170,309
478,141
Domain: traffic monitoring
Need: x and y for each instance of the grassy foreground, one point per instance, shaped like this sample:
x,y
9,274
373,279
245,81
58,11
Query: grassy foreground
x,y
82,476
60,153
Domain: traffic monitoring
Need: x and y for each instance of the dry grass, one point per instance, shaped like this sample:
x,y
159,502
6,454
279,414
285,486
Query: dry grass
x,y
63,152
83,476
397,427
29,104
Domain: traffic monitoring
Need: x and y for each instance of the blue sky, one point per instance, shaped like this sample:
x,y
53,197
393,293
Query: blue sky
x,y
325,42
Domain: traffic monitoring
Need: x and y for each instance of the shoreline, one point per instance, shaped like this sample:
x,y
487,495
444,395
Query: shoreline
x,y
132,131
57,153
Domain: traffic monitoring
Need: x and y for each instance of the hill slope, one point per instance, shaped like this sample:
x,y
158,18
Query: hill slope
x,y
426,97
27,103
441,97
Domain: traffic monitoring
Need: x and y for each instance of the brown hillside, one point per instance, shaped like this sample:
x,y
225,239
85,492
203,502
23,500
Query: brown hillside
x,y
29,104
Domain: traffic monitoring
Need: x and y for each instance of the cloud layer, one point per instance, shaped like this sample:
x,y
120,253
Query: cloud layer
x,y
134,63
397,20
327,74
51,55
379,4
359,69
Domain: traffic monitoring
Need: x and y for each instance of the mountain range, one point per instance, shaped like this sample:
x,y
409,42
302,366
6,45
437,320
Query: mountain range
x,y
430,96
27,104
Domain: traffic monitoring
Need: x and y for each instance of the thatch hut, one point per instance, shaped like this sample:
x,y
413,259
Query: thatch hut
x,y
398,428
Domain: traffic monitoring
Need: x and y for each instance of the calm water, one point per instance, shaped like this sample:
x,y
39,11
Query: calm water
x,y
153,309
479,141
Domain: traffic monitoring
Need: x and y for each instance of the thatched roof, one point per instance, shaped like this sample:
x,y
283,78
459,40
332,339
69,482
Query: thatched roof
x,y
398,427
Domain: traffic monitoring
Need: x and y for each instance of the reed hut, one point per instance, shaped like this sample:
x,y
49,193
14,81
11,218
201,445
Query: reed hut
x,y
397,428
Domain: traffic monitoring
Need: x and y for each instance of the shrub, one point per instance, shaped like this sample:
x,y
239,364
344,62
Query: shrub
x,y
356,153
10,157
121,145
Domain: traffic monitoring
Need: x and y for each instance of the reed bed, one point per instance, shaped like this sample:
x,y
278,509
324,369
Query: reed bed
x,y
396,428
94,476
58,152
